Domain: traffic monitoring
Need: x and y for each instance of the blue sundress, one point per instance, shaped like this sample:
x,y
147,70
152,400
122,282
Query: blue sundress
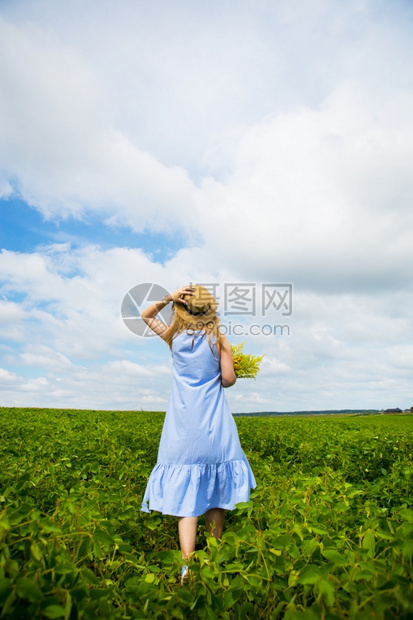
x,y
200,464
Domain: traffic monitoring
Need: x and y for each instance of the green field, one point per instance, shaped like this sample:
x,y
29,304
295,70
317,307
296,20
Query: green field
x,y
328,532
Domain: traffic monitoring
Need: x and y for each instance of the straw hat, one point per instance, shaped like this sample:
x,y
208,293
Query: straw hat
x,y
201,307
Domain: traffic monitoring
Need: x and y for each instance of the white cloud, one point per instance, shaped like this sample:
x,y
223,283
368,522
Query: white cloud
x,y
278,137
44,358
342,351
5,189
326,178
10,313
64,155
331,184
6,376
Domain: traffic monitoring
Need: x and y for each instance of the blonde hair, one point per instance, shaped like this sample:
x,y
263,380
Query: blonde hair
x,y
179,325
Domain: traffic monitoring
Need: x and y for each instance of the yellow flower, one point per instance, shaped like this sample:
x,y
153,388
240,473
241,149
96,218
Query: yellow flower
x,y
245,365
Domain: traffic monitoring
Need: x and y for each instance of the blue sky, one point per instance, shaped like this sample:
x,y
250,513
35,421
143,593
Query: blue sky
x,y
24,229
216,143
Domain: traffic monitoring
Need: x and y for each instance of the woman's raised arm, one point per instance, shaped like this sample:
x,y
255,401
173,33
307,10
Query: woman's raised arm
x,y
149,314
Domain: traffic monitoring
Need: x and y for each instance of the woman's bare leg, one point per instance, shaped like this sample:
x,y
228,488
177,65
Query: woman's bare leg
x,y
217,516
187,527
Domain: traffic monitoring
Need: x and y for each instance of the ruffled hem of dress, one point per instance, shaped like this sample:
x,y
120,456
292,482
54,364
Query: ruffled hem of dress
x,y
189,490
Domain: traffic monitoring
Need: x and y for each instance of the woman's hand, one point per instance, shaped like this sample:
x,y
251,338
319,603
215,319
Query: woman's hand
x,y
177,296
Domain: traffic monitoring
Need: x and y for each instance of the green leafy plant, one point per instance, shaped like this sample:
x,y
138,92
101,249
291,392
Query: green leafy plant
x,y
327,532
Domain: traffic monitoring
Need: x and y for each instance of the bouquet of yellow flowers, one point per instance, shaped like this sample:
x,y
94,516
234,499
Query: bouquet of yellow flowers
x,y
246,366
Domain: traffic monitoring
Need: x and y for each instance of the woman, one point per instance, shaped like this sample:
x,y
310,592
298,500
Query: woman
x,y
201,468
